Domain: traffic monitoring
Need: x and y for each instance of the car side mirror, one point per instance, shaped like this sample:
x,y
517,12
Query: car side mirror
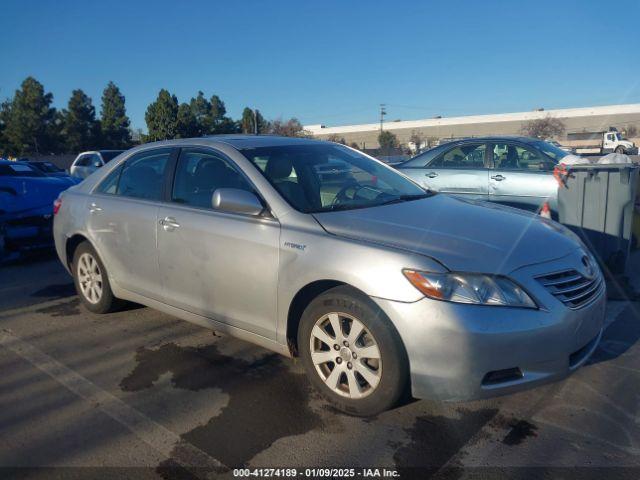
x,y
234,200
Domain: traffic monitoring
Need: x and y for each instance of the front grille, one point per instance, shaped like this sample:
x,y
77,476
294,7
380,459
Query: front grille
x,y
572,288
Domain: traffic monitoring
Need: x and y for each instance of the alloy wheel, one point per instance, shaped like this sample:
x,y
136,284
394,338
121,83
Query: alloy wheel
x,y
90,278
346,355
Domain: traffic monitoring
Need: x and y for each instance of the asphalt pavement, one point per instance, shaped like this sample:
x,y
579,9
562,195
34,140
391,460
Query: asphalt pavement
x,y
141,394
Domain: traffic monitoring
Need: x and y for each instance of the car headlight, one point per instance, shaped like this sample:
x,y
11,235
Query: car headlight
x,y
471,288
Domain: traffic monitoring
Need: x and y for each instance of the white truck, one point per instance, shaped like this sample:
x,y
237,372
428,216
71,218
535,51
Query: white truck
x,y
601,142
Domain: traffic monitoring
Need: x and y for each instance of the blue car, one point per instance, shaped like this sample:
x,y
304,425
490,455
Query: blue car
x,y
26,205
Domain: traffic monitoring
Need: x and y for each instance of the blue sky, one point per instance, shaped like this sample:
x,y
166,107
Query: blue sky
x,y
330,62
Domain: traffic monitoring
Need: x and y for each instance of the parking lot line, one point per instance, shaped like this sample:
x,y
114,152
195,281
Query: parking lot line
x,y
158,437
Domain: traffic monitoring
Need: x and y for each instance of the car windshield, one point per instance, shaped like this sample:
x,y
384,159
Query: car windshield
x,y
551,150
47,167
19,170
325,177
108,155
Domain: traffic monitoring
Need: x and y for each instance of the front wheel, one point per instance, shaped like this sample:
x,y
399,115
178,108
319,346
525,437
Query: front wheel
x,y
619,149
352,353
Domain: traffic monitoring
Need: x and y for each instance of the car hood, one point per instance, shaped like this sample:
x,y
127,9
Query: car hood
x,y
463,235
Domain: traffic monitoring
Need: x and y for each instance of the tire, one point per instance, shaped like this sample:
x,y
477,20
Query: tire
x,y
86,262
619,150
351,392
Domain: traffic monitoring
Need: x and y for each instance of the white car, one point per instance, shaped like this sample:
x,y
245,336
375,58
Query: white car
x,y
88,162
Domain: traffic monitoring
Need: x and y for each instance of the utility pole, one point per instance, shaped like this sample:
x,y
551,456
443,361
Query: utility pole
x,y
255,120
383,112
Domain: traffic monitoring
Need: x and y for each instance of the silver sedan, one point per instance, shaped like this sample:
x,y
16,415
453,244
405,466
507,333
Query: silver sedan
x,y
313,249
513,171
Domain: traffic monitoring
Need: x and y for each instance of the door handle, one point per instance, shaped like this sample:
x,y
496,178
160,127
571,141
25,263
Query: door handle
x,y
498,177
94,208
169,224
431,174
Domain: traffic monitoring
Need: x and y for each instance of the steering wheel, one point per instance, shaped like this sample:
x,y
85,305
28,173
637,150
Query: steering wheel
x,y
341,196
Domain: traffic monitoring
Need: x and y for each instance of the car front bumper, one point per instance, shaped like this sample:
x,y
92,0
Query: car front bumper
x,y
463,352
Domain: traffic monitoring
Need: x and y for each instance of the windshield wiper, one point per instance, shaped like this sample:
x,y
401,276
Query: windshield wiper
x,y
407,198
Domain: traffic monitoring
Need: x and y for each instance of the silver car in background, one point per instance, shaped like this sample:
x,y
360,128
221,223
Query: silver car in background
x,y
313,249
514,171
88,162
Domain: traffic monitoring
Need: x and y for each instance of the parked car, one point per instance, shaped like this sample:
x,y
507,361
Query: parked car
x,y
514,171
88,162
26,205
48,168
375,283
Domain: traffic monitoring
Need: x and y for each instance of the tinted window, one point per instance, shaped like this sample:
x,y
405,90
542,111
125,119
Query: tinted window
x,y
518,157
18,170
200,173
83,161
108,155
469,155
110,183
47,167
325,177
424,158
552,150
142,175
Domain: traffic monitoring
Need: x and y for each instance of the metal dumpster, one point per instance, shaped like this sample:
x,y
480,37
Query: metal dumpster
x,y
597,202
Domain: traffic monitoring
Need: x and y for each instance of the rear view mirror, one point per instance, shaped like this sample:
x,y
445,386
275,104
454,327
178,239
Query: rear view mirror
x,y
236,201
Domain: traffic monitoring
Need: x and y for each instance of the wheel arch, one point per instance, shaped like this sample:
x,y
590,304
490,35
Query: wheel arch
x,y
300,300
71,245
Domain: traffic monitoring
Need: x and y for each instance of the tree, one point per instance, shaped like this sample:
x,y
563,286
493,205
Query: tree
x,y
418,140
547,127
248,120
217,120
80,129
388,141
631,131
162,117
290,128
186,122
5,111
27,119
201,108
334,137
354,145
114,123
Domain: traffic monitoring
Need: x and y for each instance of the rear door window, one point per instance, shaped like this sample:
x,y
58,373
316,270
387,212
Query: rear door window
x,y
143,174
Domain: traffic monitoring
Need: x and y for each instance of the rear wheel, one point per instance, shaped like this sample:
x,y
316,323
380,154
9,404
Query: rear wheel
x,y
91,280
352,353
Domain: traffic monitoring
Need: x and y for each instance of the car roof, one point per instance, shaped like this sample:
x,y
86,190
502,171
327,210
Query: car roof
x,y
494,138
241,141
11,162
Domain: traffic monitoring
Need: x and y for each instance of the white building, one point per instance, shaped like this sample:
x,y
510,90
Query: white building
x,y
586,119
